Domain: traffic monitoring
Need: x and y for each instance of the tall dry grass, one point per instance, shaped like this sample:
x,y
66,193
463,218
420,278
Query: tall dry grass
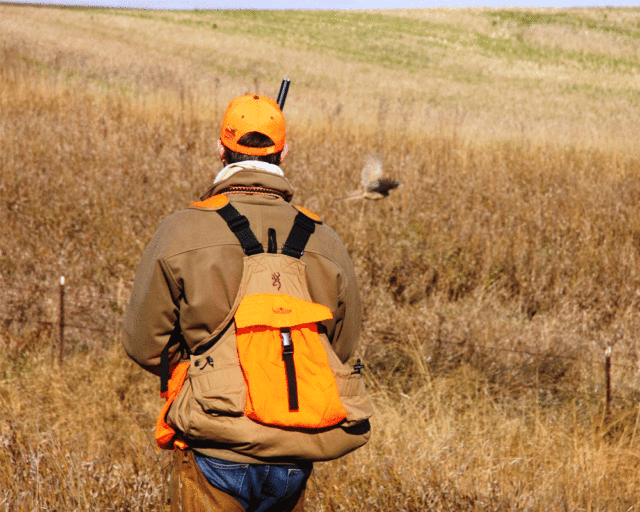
x,y
492,282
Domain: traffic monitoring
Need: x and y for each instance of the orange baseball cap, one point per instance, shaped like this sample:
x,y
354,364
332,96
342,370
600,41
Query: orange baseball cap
x,y
253,113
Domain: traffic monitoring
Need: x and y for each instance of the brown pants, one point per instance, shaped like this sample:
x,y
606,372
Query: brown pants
x,y
190,491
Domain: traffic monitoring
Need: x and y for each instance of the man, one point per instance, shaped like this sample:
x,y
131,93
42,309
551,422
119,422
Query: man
x,y
183,300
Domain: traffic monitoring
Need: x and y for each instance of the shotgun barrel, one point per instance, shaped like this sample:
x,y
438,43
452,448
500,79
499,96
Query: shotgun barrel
x,y
282,95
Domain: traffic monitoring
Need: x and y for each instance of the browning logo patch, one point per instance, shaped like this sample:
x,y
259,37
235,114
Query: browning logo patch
x,y
275,277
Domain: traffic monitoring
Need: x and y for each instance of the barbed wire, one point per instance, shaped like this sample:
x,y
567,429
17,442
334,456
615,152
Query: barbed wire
x,y
444,342
521,351
110,300
104,298
560,356
72,326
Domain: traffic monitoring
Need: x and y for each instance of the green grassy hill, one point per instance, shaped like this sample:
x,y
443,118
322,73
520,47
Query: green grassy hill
x,y
568,76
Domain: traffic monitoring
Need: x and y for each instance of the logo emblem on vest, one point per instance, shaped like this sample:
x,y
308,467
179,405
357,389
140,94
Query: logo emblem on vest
x,y
276,280
281,311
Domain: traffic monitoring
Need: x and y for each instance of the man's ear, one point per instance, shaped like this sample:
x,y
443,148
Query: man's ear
x,y
285,150
223,151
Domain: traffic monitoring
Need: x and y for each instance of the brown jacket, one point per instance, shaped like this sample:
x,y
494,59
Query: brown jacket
x,y
189,276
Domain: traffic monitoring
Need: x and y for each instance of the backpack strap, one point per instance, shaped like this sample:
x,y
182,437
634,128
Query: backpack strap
x,y
303,228
273,242
289,368
239,224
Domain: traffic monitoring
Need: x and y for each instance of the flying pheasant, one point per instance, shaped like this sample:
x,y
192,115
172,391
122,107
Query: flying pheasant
x,y
374,185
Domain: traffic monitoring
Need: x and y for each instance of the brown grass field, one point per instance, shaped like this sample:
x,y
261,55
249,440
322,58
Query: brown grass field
x,y
493,281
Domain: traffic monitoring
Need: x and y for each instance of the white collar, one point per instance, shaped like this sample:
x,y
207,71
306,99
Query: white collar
x,y
231,169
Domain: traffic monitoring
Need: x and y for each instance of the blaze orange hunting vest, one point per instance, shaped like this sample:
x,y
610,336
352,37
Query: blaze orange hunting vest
x,y
290,376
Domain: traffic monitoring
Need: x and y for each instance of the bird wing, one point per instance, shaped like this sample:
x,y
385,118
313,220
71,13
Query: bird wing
x,y
371,172
383,185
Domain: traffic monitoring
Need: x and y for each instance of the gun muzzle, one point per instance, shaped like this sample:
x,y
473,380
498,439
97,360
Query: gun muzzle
x,y
282,95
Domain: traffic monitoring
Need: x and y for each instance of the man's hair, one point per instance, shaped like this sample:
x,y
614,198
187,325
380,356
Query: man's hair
x,y
253,140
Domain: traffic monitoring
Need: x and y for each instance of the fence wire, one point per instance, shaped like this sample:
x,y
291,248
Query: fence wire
x,y
76,302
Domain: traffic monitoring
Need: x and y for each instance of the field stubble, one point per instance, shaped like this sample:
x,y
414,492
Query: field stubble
x,y
492,283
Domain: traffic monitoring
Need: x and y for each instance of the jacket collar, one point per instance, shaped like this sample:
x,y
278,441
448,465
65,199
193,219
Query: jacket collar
x,y
251,174
231,169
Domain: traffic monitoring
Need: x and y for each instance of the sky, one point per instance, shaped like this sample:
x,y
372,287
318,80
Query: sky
x,y
333,4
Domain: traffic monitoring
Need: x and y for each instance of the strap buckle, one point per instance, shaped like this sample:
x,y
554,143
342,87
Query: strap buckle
x,y
287,345
291,251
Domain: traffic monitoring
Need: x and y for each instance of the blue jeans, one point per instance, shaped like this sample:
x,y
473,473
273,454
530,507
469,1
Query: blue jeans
x,y
257,487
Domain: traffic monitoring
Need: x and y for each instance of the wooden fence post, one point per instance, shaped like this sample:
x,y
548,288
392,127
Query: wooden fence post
x,y
61,319
607,371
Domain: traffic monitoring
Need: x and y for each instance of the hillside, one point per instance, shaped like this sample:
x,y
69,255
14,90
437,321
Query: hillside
x,y
569,75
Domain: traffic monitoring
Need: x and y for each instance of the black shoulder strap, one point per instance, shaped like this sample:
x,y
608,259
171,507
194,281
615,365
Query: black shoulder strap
x,y
239,224
175,339
303,228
